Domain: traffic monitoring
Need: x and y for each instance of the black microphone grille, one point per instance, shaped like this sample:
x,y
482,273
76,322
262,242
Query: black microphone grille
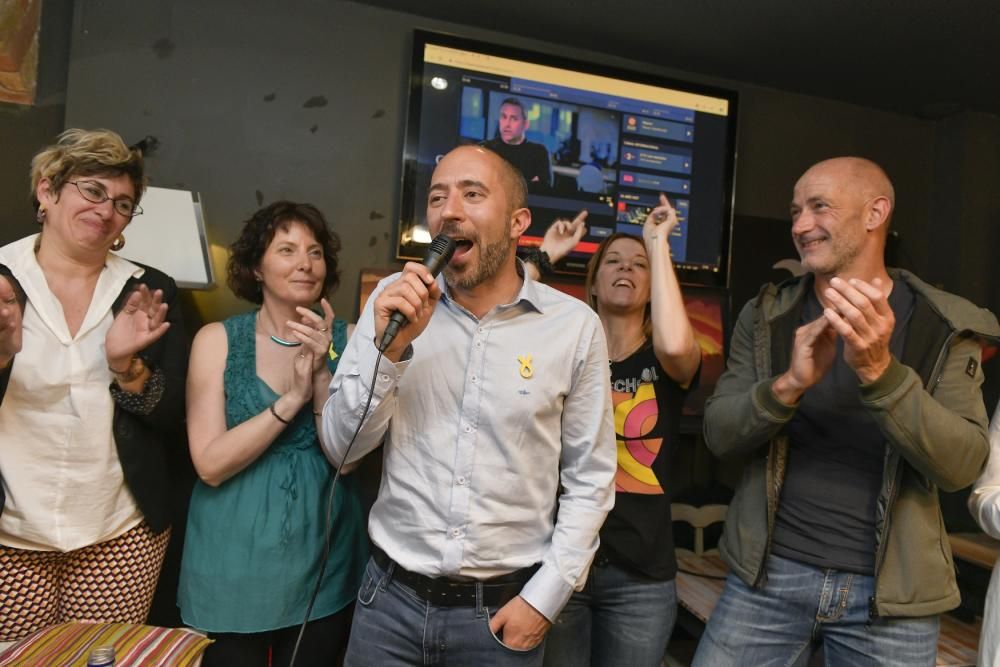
x,y
442,245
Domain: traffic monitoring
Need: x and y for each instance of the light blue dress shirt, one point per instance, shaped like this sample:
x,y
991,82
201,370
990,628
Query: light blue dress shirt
x,y
487,423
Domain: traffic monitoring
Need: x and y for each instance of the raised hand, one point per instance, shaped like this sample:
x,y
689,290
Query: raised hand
x,y
10,323
563,235
660,222
813,353
861,315
140,323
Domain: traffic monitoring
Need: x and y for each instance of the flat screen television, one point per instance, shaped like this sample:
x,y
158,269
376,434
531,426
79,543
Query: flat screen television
x,y
585,136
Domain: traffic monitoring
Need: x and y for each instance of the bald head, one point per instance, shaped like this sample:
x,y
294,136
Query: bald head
x,y
855,174
840,216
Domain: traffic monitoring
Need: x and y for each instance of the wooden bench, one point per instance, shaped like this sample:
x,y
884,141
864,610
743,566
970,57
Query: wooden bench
x,y
977,548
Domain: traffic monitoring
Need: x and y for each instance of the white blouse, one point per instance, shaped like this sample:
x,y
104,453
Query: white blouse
x,y
984,503
64,483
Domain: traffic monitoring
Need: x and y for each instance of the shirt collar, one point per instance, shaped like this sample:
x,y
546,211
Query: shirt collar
x,y
528,294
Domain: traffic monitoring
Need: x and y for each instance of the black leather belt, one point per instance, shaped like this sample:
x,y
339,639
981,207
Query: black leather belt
x,y
444,592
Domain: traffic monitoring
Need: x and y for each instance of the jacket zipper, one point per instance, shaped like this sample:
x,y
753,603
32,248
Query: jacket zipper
x,y
893,486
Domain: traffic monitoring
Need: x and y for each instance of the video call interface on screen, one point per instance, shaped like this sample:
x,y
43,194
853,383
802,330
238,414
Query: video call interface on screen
x,y
584,141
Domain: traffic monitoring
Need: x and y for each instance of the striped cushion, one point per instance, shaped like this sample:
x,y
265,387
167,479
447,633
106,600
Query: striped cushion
x,y
69,644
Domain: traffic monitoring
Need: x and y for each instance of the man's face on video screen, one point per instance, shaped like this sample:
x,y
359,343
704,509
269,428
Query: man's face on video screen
x,y
513,124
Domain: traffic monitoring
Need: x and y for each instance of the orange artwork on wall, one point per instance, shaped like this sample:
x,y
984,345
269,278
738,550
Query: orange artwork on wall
x,y
19,24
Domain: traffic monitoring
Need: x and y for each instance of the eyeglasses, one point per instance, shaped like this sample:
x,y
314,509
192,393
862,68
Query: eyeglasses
x,y
95,193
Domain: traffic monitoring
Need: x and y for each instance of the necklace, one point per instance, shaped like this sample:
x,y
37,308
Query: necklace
x,y
280,341
633,350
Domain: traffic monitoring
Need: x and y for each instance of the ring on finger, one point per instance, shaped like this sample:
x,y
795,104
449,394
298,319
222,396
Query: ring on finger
x,y
323,330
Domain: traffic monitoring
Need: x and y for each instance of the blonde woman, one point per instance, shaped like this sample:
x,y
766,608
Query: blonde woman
x,y
93,359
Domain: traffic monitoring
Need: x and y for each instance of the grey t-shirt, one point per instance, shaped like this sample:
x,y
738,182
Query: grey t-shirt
x,y
826,515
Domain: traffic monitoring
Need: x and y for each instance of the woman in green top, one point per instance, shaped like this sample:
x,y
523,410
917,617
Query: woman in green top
x,y
256,388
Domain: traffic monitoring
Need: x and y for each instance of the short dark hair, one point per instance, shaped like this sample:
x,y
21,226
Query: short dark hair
x,y
513,101
247,251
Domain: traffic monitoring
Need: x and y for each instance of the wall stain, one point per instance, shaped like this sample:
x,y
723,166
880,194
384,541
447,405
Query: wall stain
x,y
378,113
260,197
317,101
270,97
372,241
375,215
314,128
163,47
385,235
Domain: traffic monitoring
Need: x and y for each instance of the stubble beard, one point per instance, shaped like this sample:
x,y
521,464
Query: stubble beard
x,y
492,257
842,255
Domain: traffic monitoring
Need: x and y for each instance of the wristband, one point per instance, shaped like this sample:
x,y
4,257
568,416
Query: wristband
x,y
540,259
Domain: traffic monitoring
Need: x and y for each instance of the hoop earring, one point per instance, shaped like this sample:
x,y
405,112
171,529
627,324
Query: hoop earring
x,y
40,215
119,243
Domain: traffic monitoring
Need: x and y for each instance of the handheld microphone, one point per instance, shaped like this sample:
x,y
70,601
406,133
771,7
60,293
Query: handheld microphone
x,y
438,255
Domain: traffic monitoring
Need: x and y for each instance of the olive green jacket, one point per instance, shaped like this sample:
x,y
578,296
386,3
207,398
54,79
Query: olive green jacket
x,y
928,404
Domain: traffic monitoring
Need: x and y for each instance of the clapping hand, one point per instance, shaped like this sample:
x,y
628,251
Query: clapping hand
x,y
860,313
314,332
139,324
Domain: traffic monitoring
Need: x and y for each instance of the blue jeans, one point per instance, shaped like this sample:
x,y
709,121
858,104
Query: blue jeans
x,y
803,605
393,626
619,618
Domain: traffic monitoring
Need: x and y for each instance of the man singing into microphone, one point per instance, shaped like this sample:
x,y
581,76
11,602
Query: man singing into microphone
x,y
494,406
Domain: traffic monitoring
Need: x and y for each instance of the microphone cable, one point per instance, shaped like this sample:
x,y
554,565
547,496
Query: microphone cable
x,y
329,515
439,253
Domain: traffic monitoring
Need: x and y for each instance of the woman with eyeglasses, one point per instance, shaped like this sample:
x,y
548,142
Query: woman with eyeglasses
x,y
626,610
93,359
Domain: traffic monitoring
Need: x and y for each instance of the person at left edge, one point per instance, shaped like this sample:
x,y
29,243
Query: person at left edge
x,y
92,391
256,527
494,406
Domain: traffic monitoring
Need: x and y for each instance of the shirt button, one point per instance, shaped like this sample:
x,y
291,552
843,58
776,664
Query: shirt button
x,y
461,481
385,378
468,429
475,378
455,532
479,344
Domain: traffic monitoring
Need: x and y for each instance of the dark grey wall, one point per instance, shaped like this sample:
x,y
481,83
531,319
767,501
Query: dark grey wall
x,y
254,101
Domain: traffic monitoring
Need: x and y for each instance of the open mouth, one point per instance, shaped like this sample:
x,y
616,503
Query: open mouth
x,y
622,282
462,246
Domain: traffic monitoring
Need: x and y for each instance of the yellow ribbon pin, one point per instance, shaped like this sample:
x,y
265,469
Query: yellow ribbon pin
x,y
333,353
526,370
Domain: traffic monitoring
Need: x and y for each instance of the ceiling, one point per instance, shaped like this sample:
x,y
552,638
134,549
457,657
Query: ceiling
x,y
924,58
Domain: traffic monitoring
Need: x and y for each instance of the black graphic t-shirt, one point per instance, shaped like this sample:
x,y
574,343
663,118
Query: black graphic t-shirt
x,y
647,406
